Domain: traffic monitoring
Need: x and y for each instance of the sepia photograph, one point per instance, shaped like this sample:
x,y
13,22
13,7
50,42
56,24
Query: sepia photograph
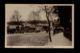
x,y
39,26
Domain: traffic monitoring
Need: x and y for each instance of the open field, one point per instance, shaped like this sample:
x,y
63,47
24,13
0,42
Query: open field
x,y
37,39
27,39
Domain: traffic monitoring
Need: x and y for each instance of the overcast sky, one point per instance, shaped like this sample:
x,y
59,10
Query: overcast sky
x,y
23,9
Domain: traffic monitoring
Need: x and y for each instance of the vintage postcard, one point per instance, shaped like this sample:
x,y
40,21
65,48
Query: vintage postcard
x,y
39,25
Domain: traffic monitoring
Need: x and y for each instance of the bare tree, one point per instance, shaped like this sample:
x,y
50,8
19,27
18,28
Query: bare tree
x,y
47,16
16,18
34,16
48,10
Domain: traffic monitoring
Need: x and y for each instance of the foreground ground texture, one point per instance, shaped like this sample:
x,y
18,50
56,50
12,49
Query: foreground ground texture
x,y
37,39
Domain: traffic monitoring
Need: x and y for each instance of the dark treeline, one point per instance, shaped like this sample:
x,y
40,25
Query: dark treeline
x,y
37,21
15,22
26,26
65,14
29,22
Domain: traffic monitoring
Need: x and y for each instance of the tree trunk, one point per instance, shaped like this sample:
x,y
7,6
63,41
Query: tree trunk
x,y
49,31
47,16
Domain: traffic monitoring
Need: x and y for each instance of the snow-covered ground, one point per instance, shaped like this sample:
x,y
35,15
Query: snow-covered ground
x,y
27,39
37,39
60,40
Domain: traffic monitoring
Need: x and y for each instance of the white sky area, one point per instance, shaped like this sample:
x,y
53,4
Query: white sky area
x,y
24,10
